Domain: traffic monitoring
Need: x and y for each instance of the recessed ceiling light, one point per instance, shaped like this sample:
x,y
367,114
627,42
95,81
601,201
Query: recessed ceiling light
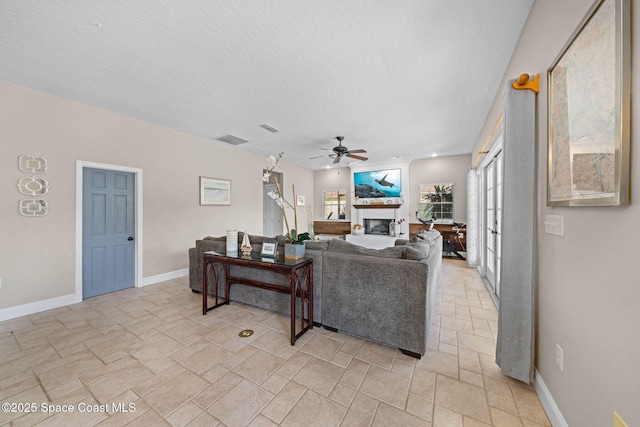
x,y
328,167
434,154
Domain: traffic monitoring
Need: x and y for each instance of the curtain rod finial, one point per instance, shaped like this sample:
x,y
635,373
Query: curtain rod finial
x,y
524,82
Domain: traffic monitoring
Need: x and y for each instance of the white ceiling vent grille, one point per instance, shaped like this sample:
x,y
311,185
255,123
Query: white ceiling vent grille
x,y
269,128
232,139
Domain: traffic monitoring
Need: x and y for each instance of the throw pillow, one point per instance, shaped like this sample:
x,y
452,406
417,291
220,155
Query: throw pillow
x,y
417,250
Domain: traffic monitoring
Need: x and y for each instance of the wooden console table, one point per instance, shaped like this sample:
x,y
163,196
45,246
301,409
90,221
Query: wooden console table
x,y
299,274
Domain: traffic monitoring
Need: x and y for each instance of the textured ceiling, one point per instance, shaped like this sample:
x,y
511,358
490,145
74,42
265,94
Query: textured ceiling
x,y
395,77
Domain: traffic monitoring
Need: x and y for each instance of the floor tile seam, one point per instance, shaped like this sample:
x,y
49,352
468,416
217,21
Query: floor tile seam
x,y
403,409
520,415
275,395
39,384
156,410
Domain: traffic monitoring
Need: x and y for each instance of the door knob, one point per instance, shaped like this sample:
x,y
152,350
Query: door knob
x,y
130,238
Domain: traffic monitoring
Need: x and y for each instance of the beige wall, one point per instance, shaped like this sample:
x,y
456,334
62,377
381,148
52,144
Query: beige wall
x,y
435,170
588,281
37,255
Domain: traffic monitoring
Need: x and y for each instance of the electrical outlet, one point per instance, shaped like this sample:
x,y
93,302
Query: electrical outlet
x,y
554,224
560,357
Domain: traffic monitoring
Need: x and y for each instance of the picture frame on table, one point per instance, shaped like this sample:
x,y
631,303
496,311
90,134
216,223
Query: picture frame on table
x,y
589,104
269,249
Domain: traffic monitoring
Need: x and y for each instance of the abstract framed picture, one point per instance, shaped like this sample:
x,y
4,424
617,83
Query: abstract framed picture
x,y
589,105
214,191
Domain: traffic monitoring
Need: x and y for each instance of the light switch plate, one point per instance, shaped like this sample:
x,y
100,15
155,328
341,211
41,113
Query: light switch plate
x,y
554,224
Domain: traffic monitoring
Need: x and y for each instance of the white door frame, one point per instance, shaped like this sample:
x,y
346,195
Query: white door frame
x,y
498,145
80,165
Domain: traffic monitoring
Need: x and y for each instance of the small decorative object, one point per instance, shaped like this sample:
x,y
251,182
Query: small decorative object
x,y
292,233
245,333
33,207
589,97
269,249
310,222
32,164
33,186
246,245
400,221
232,240
293,251
358,230
392,228
214,191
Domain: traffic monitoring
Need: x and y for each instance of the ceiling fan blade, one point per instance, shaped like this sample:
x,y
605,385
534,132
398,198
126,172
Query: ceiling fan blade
x,y
317,157
337,159
357,157
357,151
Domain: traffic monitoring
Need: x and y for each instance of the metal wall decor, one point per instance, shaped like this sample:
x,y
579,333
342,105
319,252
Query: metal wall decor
x,y
32,185
33,207
32,164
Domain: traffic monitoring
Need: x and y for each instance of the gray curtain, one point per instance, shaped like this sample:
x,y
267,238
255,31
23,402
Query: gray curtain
x,y
515,347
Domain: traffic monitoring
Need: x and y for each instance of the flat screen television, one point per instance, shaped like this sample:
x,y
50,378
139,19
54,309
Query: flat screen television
x,y
377,184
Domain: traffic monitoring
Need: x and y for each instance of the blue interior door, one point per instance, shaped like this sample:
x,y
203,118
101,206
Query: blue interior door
x,y
108,231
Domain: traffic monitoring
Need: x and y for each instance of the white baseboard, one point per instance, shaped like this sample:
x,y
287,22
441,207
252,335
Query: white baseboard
x,y
164,277
553,412
37,307
50,304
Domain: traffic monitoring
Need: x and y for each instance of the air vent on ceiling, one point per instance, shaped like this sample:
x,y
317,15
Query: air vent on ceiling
x,y
269,128
232,139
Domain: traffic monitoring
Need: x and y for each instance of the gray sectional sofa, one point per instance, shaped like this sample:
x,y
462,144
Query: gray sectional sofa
x,y
386,295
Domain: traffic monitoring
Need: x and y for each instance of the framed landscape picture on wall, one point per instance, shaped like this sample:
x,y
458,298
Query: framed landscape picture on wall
x,y
214,191
589,112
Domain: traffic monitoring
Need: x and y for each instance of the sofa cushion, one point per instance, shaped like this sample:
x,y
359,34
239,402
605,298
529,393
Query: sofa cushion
x,y
417,250
316,245
342,246
426,236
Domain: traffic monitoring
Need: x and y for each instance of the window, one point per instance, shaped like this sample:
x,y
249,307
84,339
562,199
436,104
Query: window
x,y
334,204
436,203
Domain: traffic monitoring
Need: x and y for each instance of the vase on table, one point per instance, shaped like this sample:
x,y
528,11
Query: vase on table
x,y
293,251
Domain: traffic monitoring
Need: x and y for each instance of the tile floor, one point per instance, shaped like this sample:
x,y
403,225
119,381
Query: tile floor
x,y
147,357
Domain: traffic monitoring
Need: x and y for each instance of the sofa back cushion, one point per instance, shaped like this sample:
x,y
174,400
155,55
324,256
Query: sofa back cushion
x,y
417,250
426,236
316,245
342,246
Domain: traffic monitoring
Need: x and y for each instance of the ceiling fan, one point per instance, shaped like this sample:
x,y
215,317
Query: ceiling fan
x,y
340,150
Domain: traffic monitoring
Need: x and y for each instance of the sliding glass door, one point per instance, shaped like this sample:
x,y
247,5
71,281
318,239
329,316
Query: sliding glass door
x,y
493,222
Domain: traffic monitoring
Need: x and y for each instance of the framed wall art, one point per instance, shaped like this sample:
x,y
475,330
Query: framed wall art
x,y
214,191
589,111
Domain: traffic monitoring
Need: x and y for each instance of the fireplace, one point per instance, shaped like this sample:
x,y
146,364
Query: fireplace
x,y
377,226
